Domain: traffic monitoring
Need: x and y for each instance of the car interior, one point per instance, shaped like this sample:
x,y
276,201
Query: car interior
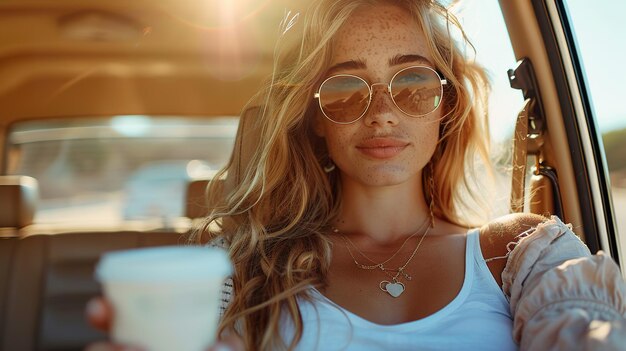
x,y
69,61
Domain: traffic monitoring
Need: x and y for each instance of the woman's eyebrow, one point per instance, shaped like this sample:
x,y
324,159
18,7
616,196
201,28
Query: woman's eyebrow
x,y
347,65
412,58
394,61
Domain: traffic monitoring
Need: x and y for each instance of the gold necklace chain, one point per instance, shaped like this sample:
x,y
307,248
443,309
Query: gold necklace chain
x,y
394,287
399,270
381,264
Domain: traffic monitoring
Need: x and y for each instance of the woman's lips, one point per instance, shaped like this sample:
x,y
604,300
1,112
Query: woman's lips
x,y
382,148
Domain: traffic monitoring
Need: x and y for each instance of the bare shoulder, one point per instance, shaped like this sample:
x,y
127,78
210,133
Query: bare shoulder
x,y
498,233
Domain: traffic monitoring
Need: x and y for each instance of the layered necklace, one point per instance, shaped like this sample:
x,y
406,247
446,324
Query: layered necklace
x,y
394,287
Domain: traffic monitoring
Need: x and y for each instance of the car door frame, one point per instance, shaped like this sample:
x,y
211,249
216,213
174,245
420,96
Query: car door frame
x,y
540,30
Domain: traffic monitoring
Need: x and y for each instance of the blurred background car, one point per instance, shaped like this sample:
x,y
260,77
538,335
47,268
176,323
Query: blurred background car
x,y
157,189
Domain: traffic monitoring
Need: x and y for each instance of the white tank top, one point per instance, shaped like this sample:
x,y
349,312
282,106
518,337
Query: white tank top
x,y
478,318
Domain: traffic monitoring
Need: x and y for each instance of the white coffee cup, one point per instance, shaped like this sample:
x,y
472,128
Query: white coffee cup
x,y
165,298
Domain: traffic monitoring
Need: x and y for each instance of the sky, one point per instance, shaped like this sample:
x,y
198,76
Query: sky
x,y
483,23
599,27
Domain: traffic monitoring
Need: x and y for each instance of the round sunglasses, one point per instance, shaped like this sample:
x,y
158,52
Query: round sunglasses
x,y
415,90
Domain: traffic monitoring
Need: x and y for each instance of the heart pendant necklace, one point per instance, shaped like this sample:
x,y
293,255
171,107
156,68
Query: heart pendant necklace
x,y
394,288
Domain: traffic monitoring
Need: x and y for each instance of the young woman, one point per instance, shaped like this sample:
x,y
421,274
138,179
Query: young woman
x,y
346,224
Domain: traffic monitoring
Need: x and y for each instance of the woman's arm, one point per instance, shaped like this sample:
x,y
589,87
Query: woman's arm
x,y
561,296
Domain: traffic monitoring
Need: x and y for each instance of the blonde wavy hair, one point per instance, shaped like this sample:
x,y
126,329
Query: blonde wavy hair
x,y
275,216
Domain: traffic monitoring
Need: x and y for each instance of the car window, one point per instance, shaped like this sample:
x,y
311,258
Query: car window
x,y
596,29
484,25
104,171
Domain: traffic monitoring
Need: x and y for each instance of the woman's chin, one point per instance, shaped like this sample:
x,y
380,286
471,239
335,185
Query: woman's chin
x,y
383,178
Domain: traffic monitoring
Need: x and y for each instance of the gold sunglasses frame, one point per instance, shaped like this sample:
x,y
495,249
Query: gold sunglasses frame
x,y
370,89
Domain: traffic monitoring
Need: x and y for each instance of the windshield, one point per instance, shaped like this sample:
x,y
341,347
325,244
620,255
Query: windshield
x,y
110,170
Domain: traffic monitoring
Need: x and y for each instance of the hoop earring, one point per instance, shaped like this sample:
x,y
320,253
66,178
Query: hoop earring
x,y
431,186
329,165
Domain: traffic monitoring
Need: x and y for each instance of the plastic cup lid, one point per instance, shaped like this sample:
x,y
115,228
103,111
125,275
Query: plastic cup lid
x,y
164,264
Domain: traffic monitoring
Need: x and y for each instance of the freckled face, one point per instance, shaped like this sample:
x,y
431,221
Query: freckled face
x,y
384,147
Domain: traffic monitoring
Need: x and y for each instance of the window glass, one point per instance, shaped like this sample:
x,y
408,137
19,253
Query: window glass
x,y
599,31
102,171
484,25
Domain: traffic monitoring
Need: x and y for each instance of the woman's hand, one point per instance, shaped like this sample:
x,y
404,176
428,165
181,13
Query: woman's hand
x,y
99,313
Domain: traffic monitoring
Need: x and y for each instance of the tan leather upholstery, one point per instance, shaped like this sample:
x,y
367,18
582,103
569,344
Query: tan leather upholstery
x,y
18,201
48,281
7,248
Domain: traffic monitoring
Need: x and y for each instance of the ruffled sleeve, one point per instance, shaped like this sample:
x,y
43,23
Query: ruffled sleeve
x,y
561,296
227,287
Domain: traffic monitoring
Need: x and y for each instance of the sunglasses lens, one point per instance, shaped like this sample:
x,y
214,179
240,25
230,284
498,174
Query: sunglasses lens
x,y
344,99
416,91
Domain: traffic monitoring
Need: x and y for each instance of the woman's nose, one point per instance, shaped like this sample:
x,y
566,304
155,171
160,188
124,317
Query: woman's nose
x,y
382,110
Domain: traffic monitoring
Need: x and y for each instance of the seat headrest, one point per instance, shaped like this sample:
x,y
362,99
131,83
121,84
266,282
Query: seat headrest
x,y
246,143
18,201
196,200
